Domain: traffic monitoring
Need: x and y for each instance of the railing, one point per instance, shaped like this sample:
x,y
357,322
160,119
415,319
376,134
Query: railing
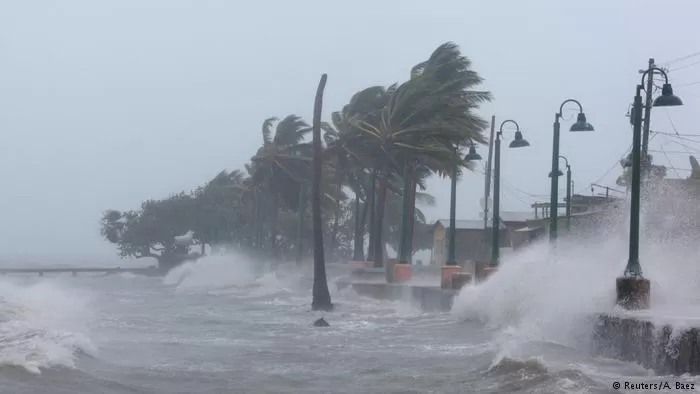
x,y
151,271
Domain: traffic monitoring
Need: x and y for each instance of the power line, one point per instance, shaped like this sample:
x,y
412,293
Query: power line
x,y
686,147
669,162
688,84
680,59
670,152
686,66
676,134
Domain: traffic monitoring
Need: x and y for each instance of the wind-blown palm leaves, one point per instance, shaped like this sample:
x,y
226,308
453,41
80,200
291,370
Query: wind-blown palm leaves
x,y
278,167
419,123
426,118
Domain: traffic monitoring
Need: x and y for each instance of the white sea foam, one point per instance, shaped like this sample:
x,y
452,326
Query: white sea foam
x,y
42,326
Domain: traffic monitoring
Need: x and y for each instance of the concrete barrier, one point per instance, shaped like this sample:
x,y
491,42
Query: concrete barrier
x,y
428,298
660,348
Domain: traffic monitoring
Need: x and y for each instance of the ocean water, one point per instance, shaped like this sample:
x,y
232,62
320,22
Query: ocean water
x,y
221,326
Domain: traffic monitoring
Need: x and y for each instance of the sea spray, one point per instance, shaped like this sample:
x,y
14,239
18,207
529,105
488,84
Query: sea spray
x,y
212,272
546,294
42,325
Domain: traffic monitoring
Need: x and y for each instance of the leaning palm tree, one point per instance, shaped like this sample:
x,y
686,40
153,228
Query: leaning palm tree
x,y
321,297
427,118
279,163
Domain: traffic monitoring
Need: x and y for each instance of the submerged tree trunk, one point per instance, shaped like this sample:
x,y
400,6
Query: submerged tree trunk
x,y
358,253
321,298
371,198
378,245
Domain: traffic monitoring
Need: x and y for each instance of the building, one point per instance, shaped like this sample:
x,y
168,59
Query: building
x,y
473,237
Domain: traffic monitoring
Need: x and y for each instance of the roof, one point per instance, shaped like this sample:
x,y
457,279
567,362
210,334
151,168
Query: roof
x,y
512,216
472,224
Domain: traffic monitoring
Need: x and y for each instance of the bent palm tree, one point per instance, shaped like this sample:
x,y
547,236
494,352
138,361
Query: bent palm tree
x,y
277,166
321,297
426,118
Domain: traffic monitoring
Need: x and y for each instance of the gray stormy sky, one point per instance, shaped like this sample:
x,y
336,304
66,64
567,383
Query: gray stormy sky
x,y
106,103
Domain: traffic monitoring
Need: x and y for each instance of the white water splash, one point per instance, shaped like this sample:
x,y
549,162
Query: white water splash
x,y
42,326
541,294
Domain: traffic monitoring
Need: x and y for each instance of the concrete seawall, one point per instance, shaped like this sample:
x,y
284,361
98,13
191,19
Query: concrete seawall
x,y
428,298
659,347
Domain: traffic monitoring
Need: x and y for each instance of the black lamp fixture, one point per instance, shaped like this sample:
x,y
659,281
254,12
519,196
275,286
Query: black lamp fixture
x,y
581,124
519,141
473,155
667,98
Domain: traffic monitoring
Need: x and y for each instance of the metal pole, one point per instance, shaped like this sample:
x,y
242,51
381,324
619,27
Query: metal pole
x,y
647,110
633,267
555,182
487,186
451,258
568,198
496,223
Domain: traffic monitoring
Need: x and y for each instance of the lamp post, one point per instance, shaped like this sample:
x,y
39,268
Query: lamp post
x,y
518,142
451,267
580,125
568,191
633,290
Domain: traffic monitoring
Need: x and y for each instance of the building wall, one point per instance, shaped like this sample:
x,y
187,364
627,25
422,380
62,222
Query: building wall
x,y
471,244
439,252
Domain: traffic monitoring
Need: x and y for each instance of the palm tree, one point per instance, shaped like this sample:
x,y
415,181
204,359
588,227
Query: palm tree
x,y
426,118
321,297
277,167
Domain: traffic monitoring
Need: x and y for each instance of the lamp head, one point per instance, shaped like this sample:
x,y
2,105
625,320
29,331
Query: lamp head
x,y
667,98
473,155
519,141
581,123
559,173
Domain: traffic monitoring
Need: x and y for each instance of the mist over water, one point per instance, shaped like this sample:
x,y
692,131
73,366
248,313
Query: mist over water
x,y
229,323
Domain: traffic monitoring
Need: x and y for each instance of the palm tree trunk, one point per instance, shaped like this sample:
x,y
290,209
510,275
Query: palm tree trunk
x,y
336,219
273,225
372,206
321,297
358,253
411,213
378,245
258,220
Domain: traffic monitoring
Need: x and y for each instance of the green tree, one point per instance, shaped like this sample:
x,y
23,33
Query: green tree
x,y
151,230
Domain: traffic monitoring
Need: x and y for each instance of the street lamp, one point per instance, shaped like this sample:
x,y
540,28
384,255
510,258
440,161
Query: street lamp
x,y
580,125
471,156
451,268
568,191
633,290
518,142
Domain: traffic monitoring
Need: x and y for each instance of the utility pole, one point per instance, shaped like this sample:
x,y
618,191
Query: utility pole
x,y
647,111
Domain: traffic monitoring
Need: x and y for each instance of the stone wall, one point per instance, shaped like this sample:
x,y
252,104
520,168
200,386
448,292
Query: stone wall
x,y
657,348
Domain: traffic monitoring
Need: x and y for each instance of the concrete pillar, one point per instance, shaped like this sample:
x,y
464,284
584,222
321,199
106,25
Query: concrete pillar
x,y
459,279
402,273
446,276
487,272
633,292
